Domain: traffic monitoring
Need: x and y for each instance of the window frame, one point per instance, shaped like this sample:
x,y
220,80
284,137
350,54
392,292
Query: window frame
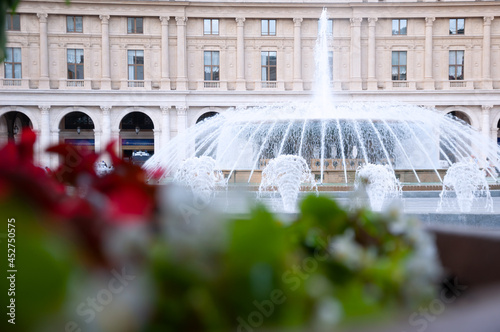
x,y
13,63
268,25
399,66
10,22
135,65
329,27
134,31
399,27
74,19
455,26
211,65
211,23
75,64
330,65
268,66
456,65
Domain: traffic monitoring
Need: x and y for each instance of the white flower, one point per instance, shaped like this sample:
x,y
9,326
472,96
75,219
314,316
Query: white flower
x,y
345,249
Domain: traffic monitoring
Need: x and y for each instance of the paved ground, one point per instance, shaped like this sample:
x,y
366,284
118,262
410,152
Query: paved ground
x,y
422,204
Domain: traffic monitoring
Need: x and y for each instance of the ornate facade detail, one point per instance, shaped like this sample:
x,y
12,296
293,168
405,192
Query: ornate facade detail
x,y
165,110
104,19
106,109
181,20
372,21
181,110
164,20
297,21
356,21
429,21
487,20
240,21
42,17
44,109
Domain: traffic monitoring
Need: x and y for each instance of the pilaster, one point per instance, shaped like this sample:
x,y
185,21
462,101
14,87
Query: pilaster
x,y
105,65
165,69
44,53
297,55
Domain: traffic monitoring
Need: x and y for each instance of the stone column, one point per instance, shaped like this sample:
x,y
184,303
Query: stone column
x,y
115,136
485,120
181,119
165,69
54,140
297,55
240,54
44,135
181,53
181,128
487,81
98,146
106,126
356,53
44,53
428,77
157,139
372,54
165,126
105,64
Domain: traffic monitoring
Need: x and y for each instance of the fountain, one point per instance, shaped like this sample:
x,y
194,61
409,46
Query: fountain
x,y
380,184
200,175
465,187
285,175
333,138
101,168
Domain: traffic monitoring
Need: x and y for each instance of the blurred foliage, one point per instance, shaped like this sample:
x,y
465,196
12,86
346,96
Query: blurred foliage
x,y
332,266
6,6
328,268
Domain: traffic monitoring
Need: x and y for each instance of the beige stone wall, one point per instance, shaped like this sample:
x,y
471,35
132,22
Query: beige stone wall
x,y
176,103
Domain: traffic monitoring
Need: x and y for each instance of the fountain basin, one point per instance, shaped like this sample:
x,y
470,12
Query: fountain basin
x,y
331,177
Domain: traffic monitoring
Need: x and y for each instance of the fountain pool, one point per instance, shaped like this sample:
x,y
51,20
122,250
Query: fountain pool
x,y
334,139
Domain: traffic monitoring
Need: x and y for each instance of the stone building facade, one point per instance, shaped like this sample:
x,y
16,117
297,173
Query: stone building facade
x,y
141,72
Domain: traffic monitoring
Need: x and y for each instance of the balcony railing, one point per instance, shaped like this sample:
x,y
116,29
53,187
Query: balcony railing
x,y
211,84
12,82
136,84
75,83
269,84
458,84
400,84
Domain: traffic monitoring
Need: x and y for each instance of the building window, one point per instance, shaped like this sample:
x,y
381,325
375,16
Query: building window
x,y
329,27
399,65
74,23
75,64
12,62
134,25
456,71
135,65
330,65
268,27
13,22
211,60
268,64
457,26
399,27
210,26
